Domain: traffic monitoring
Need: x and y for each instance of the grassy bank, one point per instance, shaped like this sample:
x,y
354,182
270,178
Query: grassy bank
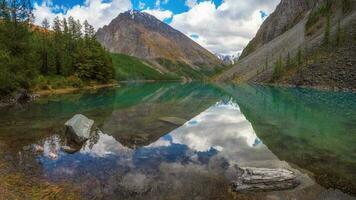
x,y
131,68
68,90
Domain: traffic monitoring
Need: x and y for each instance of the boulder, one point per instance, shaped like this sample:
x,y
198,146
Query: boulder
x,y
78,128
263,179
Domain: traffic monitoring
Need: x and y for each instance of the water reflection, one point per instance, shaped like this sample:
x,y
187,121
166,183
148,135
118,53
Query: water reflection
x,y
315,130
209,147
136,155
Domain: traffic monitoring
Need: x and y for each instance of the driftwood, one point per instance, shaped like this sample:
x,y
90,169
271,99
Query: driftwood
x,y
263,179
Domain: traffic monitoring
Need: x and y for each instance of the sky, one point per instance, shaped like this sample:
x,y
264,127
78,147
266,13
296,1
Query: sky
x,y
221,26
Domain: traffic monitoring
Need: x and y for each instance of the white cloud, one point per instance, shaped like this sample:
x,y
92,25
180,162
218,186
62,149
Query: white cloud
x,y
225,29
159,14
159,2
97,12
190,3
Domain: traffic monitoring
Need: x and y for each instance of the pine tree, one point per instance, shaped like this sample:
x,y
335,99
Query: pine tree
x,y
45,26
299,57
289,62
58,47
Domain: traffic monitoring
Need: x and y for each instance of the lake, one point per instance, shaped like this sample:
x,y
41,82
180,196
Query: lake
x,y
180,141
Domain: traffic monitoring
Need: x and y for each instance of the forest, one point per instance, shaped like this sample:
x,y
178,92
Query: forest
x,y
58,54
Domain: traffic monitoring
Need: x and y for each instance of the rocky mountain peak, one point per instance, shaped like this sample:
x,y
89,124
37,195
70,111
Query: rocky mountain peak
x,y
286,15
144,36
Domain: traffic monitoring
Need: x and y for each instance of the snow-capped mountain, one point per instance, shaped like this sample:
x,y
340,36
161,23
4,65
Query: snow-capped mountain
x,y
228,59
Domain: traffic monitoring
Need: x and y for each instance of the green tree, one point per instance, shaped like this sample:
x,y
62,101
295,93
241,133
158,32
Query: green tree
x,y
44,53
299,57
289,61
278,69
58,44
28,54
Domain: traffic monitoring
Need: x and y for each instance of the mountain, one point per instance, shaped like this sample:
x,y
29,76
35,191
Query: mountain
x,y
167,50
305,42
228,59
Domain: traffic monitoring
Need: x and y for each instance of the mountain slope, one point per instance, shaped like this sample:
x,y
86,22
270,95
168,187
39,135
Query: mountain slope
x,y
130,68
299,36
142,35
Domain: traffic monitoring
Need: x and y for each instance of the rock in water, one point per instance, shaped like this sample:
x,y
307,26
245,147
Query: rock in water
x,y
38,148
79,128
69,149
263,179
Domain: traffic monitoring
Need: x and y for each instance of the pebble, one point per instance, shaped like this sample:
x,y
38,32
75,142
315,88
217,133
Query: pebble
x,y
53,156
38,148
26,148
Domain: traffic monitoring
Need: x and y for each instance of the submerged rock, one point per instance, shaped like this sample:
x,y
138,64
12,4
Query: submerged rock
x,y
38,148
53,155
173,120
26,148
70,150
79,128
263,179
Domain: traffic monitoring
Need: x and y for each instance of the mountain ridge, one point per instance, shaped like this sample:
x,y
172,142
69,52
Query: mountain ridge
x,y
142,35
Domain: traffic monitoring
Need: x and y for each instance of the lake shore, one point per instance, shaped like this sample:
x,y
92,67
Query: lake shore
x,y
318,87
25,95
69,90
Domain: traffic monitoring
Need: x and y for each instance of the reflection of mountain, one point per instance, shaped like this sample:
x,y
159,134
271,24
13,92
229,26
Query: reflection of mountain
x,y
198,157
140,124
23,125
314,126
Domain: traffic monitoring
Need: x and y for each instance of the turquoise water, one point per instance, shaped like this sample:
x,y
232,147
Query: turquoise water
x,y
135,154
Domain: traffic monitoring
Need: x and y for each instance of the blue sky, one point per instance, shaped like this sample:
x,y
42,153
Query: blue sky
x,y
221,26
176,6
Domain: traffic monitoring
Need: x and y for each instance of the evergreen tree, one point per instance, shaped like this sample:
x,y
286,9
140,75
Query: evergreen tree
x,y
45,26
278,69
299,57
289,62
29,55
58,45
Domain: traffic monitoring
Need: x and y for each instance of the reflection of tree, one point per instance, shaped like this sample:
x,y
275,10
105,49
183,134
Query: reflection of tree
x,y
311,125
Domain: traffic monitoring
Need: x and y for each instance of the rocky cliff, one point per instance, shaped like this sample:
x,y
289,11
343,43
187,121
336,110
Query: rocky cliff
x,y
142,35
287,14
301,43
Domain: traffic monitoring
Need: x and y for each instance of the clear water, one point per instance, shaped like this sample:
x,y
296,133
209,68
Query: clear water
x,y
137,155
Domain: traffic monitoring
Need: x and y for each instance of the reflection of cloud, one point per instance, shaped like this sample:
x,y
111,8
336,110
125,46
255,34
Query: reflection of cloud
x,y
106,145
51,146
162,142
222,128
214,127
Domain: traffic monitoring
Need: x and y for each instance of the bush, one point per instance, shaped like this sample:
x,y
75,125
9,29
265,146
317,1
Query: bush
x,y
74,81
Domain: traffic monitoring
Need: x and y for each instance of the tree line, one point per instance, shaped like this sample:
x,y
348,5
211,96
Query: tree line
x,y
59,55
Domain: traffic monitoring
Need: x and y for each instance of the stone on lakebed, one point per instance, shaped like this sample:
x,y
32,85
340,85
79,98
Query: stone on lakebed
x,y
262,179
79,128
